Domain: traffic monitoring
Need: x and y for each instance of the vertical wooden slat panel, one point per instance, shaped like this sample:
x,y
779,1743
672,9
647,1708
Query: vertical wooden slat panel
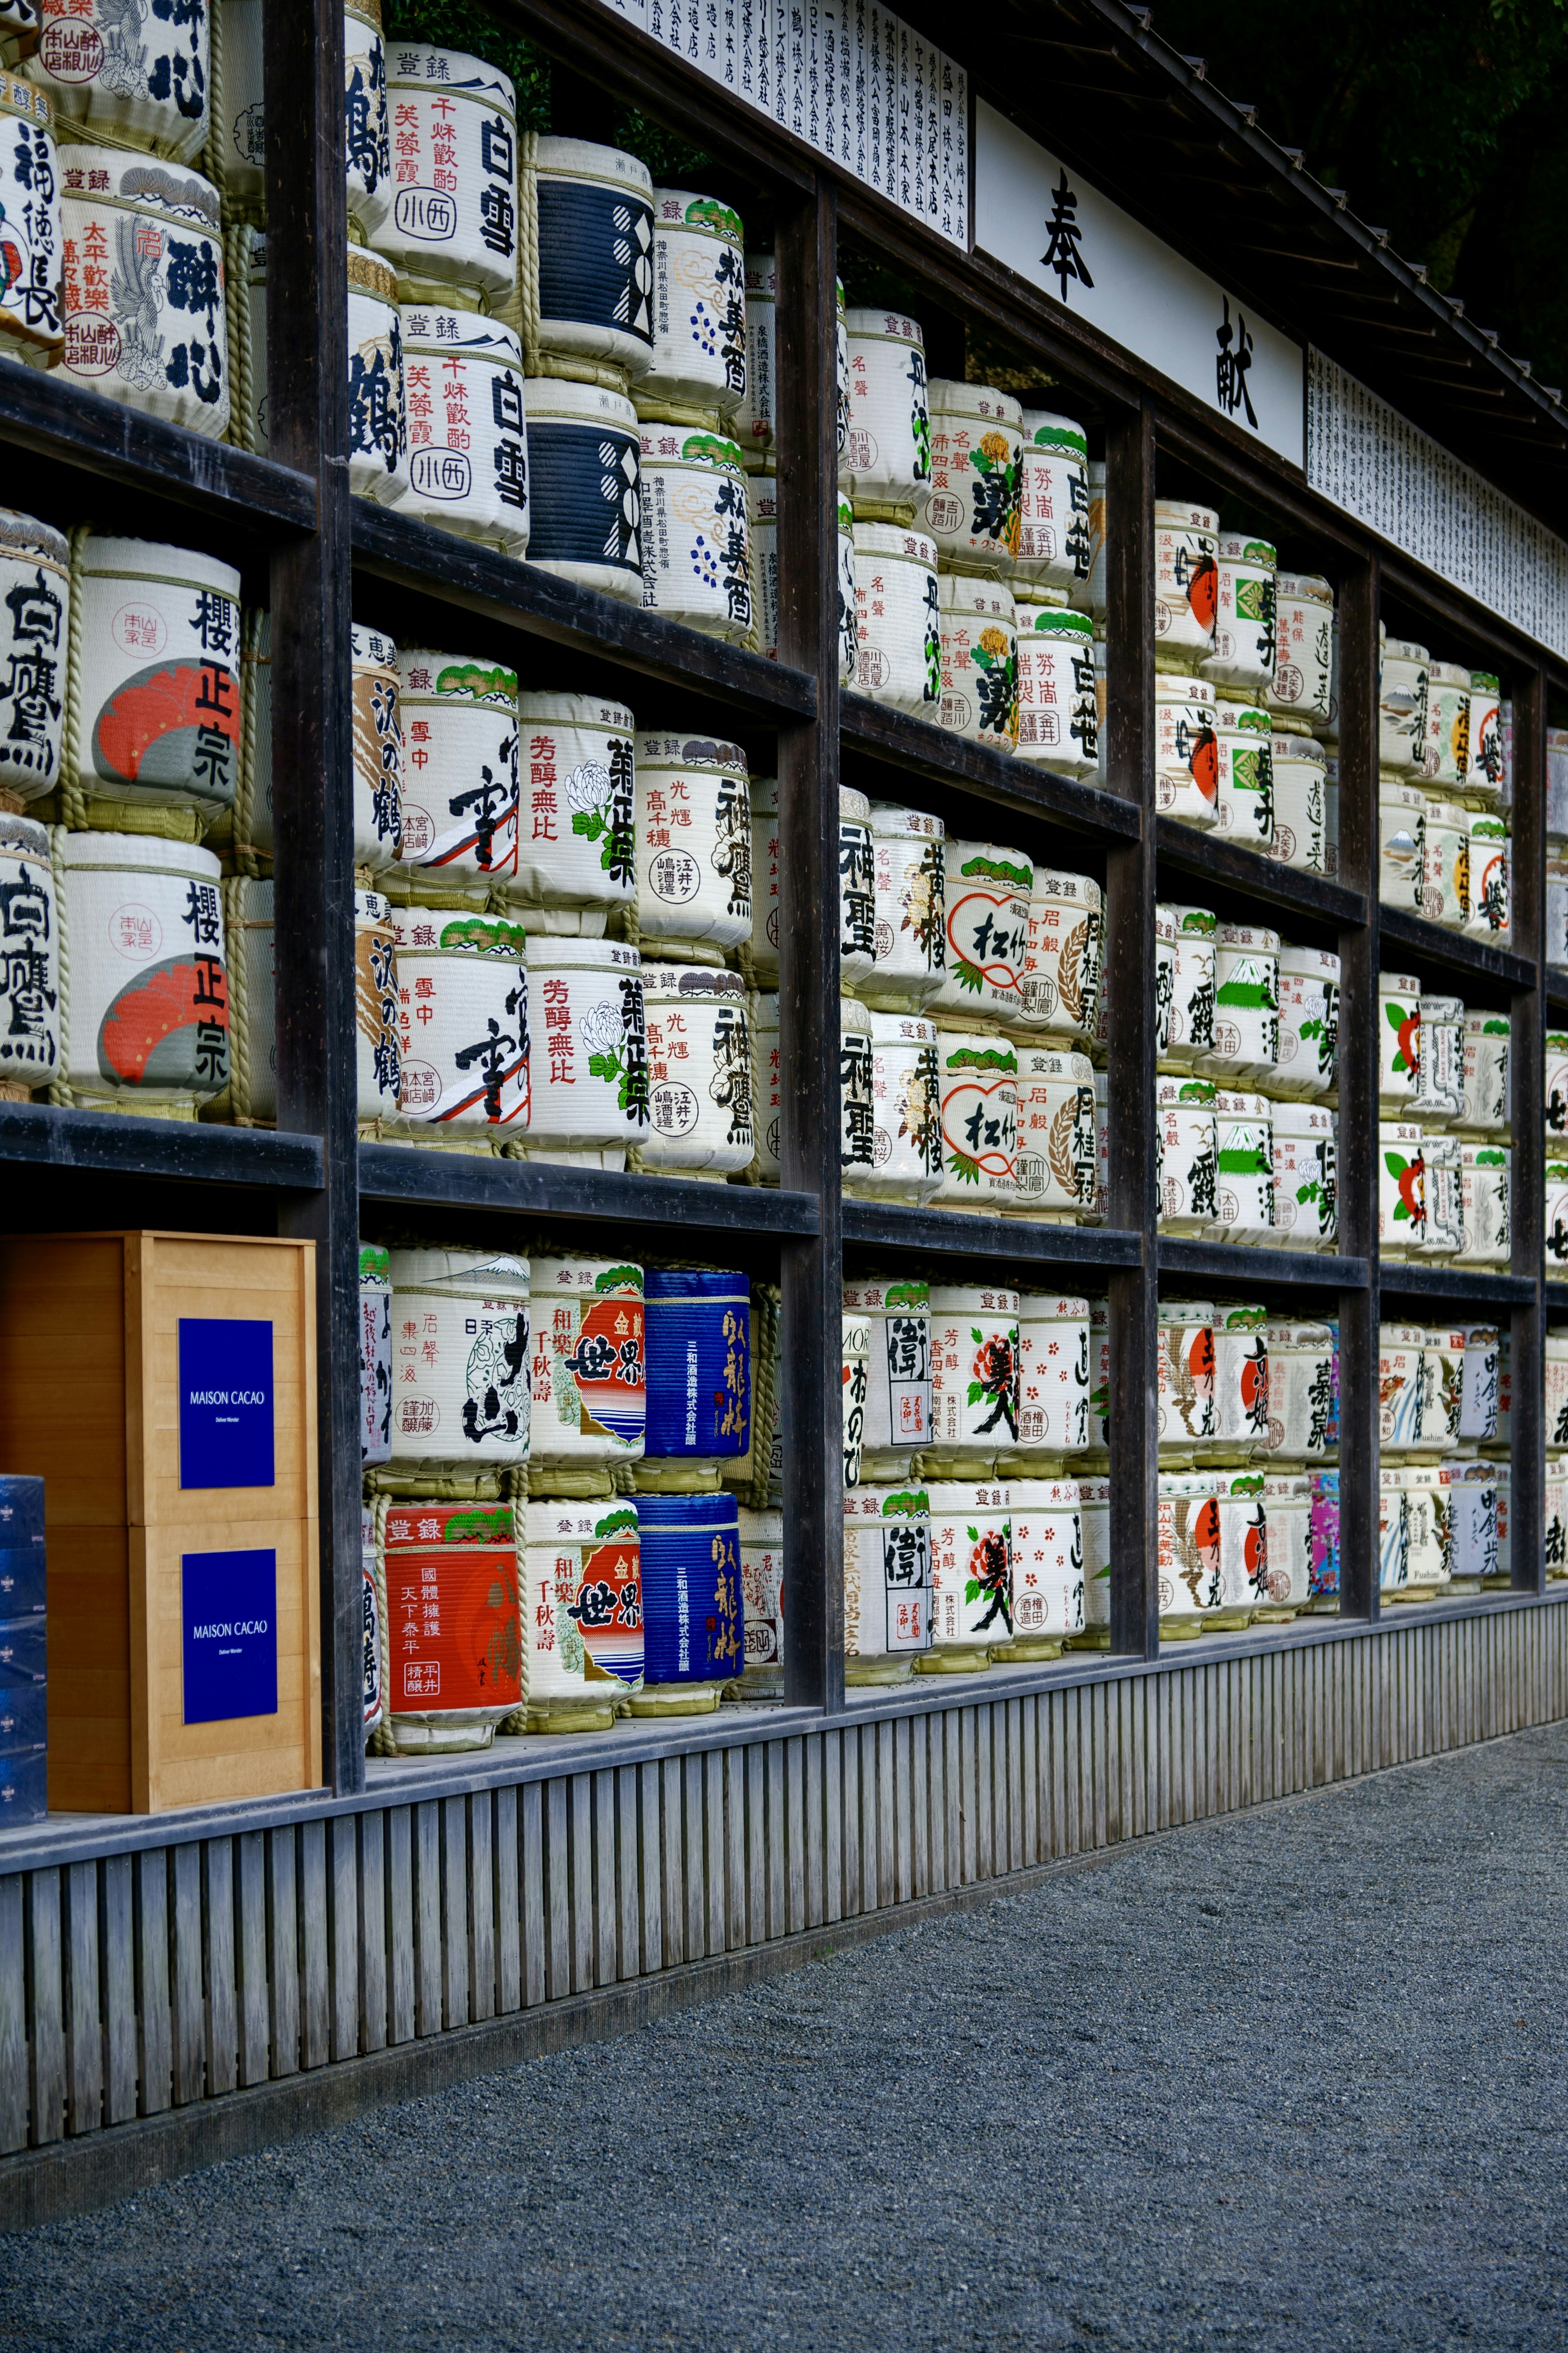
x,y
650,1786
979,1789
920,1801
217,1917
557,1892
151,1886
342,1870
481,1907
871,1834
816,1856
530,1872
428,1986
580,1878
693,1890
736,1761
401,1973
716,1848
189,2010
45,2007
833,1743
250,1957
757,1929
13,2016
887,1883
795,1834
777,1839
509,1904
454,1914
371,1829
1099,1697
84,2022
628,1874
936,1778
671,1849
854,1898
316,2019
606,1882
903,1811
282,1951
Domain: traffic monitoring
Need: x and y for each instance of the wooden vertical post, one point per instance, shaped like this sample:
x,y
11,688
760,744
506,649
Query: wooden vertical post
x,y
1527,1071
1360,954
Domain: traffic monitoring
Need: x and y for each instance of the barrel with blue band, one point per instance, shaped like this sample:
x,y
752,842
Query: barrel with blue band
x,y
699,1364
594,249
579,478
694,1629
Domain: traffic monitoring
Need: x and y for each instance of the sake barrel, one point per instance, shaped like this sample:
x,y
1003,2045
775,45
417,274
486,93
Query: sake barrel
x,y
1187,754
701,1104
1399,1041
977,1079
1402,705
1192,1006
1045,1564
142,78
1304,1149
1100,1375
987,891
840,385
372,1689
1473,1505
1479,1390
1302,683
1402,845
1185,1123
1438,1093
589,1065
1446,865
898,624
1244,1168
1445,748
1491,868
581,1615
1184,1369
461,1368
906,1114
1187,582
462,1024
1331,811
970,506
888,461
1057,1149
693,844
1244,788
698,1364
594,208
1188,1551
1299,780
1243,656
1502,1575
1399,1387
698,370
897,1372
377,751
1442,1387
1307,1054
755,422
1243,1550
247,263
886,1579
584,486
1325,1568
367,128
35,622
1240,1382
763,1596
1556,1115
1053,1378
972,1606
1094,1519
576,834
30,1011
459,788
146,1021
979,661
378,385
156,632
1247,1005
910,876
1055,549
32,328
1486,1181
588,1369
856,890
1300,1383
1428,1530
1555,937
694,1627
1060,981
762,539
1401,1187
1554,1394
237,148
1484,773
447,1581
1554,1512
1059,719
1287,1576
856,1342
250,952
374,1354
974,1371
696,541
856,1090
378,1051
467,425
453,221
848,608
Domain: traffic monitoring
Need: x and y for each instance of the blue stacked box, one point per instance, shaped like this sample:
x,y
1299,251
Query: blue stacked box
x,y
697,1338
694,1628
24,1719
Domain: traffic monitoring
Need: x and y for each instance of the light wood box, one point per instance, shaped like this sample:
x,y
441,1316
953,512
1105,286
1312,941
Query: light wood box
x,y
90,1401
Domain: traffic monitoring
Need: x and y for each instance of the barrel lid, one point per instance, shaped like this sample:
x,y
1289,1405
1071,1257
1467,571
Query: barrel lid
x,y
709,215
155,560
573,710
583,159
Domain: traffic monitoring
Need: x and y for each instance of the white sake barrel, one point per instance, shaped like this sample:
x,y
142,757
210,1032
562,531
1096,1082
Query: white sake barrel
x,y
584,517
1402,706
1240,1381
898,1371
1556,1087
1401,1187
769,1106
693,843
1308,1056
1304,1143
1484,774
1402,845
589,1062
696,537
1479,1397
698,369
1399,1386
248,393
577,812
1059,718
909,859
987,895
1243,1548
147,1008
1058,1146
1045,1565
35,626
1442,1387
970,506
762,539
374,1354
1189,1560
975,1370
762,792
1439,1090
1247,1005
1244,1168
1399,1041
856,890
1555,946
467,425
888,461
906,1132
971,1586
1192,1007
462,984
582,1609
1287,1557
30,959
1485,1178
1184,1110
1187,582
237,150
453,221
143,79
977,1077
1332,812
378,386
588,1365
762,1592
855,1342
898,629
1443,1187
699,1085
594,248
1445,752
1555,1392
378,1051
1428,1566
460,1353
979,661
1094,1519
1392,1529
887,1572
1184,1409
841,384
1446,866
1088,595
1473,1502
367,120
1100,1375
1554,1512
1302,684
848,608
251,954
1490,864
857,1098
757,421
377,751
1300,1390
1059,987
459,793
32,327
1186,754
1055,549
1243,656
1053,1377
1299,780
157,714
1244,772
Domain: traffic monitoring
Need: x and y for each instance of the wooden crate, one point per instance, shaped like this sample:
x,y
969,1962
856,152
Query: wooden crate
x,y
90,1399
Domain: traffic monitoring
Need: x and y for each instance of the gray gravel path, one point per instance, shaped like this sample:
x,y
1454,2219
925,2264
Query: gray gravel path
x,y
1297,2079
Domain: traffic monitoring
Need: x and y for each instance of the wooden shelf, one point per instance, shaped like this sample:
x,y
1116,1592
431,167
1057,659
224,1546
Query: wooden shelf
x,y
1433,944
191,1151
405,1175
1263,1271
1230,867
873,731
1008,1242
1478,1286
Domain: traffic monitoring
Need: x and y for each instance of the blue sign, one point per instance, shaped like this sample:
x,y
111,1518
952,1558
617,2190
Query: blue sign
x,y
229,1610
226,1403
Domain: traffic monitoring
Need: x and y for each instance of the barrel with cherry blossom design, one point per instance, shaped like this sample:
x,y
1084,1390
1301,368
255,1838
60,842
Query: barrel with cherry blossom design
x,y
577,811
589,1059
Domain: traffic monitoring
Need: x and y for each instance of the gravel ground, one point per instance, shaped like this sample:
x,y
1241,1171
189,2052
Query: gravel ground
x,y
1296,2079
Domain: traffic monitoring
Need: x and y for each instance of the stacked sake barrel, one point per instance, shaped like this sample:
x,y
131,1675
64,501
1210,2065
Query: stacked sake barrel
x,y
1445,1135
1444,792
1444,1395
1248,1045
757,430
1556,947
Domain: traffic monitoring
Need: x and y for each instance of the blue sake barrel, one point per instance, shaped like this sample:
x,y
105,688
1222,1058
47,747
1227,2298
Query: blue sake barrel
x,y
694,1628
21,1547
24,1654
585,457
698,1364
